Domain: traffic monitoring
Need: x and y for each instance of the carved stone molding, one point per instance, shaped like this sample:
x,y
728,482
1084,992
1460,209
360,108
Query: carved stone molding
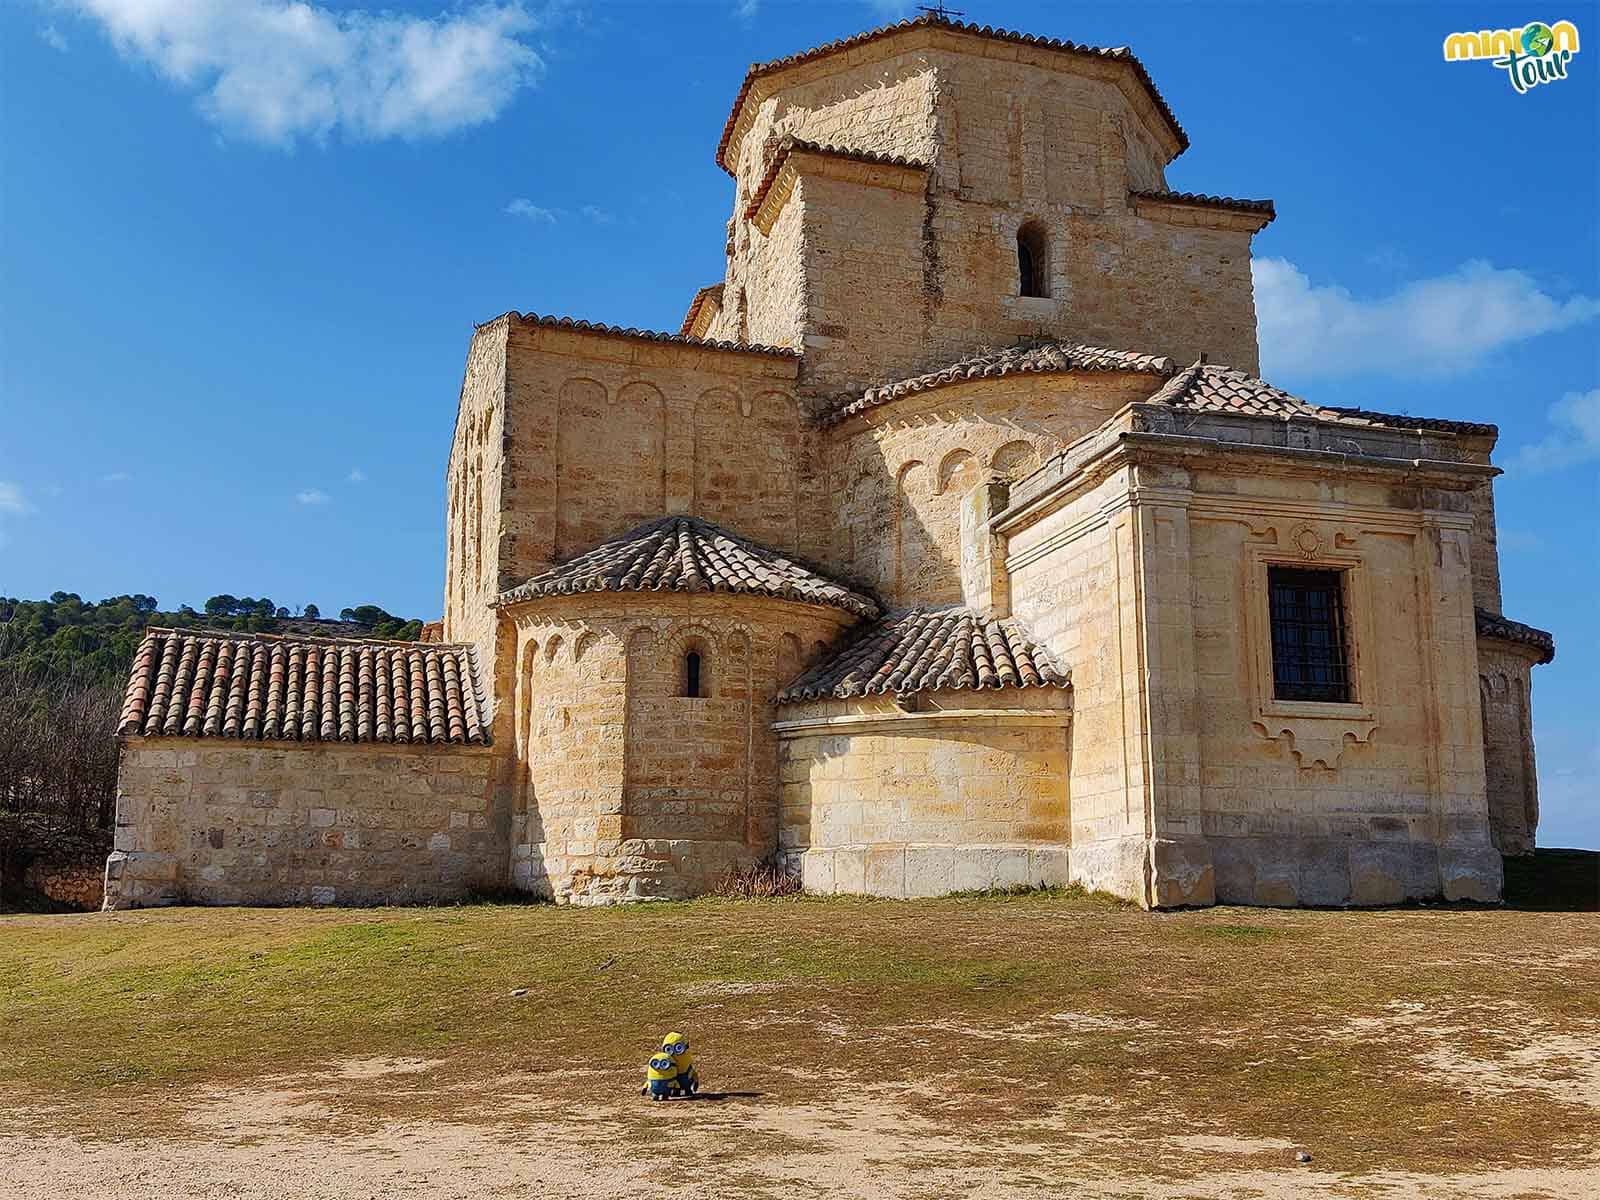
x,y
1318,740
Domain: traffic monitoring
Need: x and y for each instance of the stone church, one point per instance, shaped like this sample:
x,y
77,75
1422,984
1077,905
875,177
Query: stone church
x,y
953,542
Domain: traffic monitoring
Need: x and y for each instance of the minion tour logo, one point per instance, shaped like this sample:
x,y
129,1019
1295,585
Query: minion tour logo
x,y
1537,53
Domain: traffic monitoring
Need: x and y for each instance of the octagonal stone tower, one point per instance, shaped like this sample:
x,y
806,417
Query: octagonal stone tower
x,y
908,194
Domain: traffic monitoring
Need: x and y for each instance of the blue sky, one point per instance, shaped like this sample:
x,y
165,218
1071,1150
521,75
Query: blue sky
x,y
244,244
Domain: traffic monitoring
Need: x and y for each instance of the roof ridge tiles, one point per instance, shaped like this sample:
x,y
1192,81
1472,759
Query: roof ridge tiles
x,y
270,687
682,553
577,325
927,649
1030,356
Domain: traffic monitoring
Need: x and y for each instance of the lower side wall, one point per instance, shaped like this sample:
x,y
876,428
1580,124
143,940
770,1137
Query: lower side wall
x,y
207,822
966,792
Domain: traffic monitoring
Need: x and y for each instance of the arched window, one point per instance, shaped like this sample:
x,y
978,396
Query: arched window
x,y
692,682
1033,261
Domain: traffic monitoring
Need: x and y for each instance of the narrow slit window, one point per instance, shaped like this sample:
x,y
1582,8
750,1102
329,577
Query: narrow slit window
x,y
1310,652
691,674
1033,261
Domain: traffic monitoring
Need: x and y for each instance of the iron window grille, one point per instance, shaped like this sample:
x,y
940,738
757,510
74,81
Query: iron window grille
x,y
1310,652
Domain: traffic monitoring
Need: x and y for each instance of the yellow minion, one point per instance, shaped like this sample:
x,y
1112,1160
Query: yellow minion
x,y
660,1076
676,1047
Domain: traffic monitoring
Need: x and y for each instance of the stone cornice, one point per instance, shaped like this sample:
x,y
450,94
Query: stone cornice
x,y
922,722
1122,442
604,343
795,159
1209,212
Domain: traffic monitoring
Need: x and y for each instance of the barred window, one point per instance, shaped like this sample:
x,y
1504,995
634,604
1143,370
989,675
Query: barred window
x,y
1310,658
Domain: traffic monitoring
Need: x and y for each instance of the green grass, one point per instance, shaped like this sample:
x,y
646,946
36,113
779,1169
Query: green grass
x,y
1237,1020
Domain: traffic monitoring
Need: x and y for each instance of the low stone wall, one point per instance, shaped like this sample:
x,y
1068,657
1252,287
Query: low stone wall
x,y
968,792
210,822
76,885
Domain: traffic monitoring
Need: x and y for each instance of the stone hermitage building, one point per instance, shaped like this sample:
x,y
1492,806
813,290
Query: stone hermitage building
x,y
953,542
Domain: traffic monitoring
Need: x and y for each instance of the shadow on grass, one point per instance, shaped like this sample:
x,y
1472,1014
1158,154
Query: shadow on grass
x,y
1554,881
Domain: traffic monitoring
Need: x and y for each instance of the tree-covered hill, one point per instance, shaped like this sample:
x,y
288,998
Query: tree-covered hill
x,y
66,635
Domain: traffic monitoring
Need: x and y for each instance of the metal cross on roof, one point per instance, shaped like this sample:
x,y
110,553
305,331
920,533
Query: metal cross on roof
x,y
940,11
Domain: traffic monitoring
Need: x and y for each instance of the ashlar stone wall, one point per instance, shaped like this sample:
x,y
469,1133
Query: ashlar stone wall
x,y
892,282
200,821
631,788
897,474
966,791
1145,571
1505,671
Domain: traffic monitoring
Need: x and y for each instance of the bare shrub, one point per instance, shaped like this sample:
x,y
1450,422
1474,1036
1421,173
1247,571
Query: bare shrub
x,y
765,880
58,766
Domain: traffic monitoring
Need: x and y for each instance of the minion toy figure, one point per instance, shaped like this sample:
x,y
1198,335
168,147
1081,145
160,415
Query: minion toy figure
x,y
661,1076
676,1047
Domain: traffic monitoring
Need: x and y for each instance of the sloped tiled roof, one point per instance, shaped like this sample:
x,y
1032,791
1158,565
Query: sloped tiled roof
x,y
202,683
1032,357
926,649
1215,388
647,335
1201,200
789,144
842,45
687,554
1493,625
713,293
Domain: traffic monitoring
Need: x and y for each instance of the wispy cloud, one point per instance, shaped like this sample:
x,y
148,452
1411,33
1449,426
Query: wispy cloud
x,y
1438,325
116,477
277,71
1574,439
12,501
312,496
357,475
522,207
598,215
746,10
53,37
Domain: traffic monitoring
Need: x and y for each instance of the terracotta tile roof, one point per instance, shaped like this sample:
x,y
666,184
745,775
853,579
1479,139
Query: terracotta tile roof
x,y
201,683
687,554
927,649
1493,625
1201,200
714,292
648,335
1215,388
789,144
1115,54
1031,357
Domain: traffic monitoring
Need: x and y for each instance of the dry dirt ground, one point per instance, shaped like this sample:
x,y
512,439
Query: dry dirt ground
x,y
995,1047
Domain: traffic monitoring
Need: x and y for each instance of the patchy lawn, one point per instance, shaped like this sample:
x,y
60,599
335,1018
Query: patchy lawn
x,y
984,1046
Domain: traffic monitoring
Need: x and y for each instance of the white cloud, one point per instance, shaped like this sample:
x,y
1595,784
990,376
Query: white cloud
x,y
598,215
312,496
52,37
12,501
893,10
746,9
116,477
280,70
521,207
1575,439
357,475
1438,325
